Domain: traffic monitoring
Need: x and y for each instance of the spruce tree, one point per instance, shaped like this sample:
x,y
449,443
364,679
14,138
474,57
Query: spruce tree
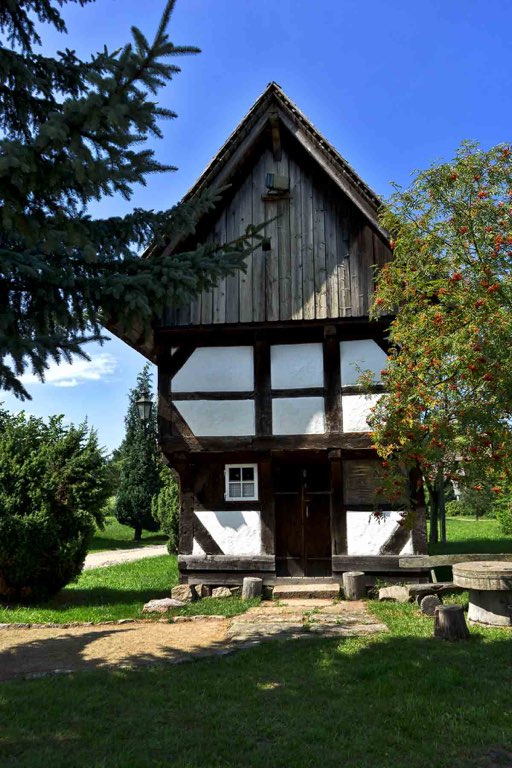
x,y
73,132
140,474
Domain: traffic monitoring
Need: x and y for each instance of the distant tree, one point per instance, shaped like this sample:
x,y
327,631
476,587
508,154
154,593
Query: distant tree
x,y
114,467
73,132
53,487
140,471
448,406
166,508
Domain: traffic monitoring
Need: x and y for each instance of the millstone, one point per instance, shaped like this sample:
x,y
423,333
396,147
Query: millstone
x,y
490,590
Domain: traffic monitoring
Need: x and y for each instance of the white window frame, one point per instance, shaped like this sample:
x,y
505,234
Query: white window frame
x,y
227,497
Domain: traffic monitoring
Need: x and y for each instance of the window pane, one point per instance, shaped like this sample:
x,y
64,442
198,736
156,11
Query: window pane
x,y
248,490
234,474
235,490
248,473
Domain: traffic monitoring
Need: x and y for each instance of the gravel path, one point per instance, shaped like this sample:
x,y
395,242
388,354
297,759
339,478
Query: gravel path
x,y
34,651
114,556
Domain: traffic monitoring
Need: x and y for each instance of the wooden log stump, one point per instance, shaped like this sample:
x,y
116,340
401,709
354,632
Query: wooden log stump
x,y
449,623
354,585
251,587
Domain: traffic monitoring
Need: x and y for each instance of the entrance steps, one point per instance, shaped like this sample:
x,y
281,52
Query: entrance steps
x,y
317,590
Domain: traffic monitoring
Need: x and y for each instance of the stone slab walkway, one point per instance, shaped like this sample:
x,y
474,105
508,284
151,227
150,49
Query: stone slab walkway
x,y
36,651
115,556
303,618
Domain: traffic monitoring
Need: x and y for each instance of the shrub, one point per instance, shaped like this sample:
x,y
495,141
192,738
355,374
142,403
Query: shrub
x,y
455,508
52,491
166,508
503,510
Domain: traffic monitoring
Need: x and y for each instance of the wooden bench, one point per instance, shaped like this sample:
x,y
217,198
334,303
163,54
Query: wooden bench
x,y
436,561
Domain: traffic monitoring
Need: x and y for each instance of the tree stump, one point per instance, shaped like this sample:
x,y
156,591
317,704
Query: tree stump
x,y
449,623
251,587
354,585
429,604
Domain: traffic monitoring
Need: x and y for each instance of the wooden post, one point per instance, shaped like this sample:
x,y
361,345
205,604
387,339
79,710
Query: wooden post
x,y
449,623
251,587
338,511
332,380
354,585
267,508
262,386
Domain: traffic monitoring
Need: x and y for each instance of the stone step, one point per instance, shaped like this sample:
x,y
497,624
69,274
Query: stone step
x,y
324,590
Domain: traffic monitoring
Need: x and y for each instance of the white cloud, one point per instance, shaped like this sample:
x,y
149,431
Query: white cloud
x,y
100,367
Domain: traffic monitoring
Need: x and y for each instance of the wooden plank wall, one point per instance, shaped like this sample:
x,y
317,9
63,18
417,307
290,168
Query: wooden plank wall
x,y
321,259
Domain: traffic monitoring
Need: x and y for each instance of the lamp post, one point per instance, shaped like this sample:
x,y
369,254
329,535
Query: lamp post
x,y
144,406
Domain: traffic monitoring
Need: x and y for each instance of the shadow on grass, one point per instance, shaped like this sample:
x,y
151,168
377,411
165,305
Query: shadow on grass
x,y
91,598
467,546
100,596
388,702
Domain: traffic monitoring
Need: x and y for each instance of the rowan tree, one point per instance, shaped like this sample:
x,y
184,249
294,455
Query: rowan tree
x,y
447,409
74,132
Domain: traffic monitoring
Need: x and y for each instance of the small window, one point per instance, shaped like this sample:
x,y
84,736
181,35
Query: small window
x,y
241,482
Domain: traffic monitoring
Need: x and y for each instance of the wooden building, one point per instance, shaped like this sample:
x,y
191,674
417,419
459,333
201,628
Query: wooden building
x,y
259,408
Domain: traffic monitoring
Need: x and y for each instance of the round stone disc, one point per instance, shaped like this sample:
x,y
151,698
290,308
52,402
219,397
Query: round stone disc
x,y
483,574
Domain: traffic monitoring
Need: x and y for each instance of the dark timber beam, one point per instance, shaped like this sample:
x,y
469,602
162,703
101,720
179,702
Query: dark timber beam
x,y
338,511
396,541
350,441
267,508
276,137
332,380
226,563
262,386
185,474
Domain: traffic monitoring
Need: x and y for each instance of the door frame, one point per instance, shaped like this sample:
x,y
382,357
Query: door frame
x,y
302,461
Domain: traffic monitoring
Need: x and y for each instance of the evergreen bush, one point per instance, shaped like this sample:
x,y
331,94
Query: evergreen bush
x,y
52,490
166,508
140,468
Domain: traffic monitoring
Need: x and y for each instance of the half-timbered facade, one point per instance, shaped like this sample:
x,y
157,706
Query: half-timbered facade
x,y
260,412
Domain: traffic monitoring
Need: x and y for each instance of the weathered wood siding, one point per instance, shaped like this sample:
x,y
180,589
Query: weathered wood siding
x,y
321,259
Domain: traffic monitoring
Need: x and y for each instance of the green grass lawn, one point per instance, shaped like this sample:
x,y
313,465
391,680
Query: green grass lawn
x,y
466,534
104,594
400,700
119,592
117,536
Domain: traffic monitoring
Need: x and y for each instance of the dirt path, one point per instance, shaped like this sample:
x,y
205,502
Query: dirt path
x,y
115,556
35,651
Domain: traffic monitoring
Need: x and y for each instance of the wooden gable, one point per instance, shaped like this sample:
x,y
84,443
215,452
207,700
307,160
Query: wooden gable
x,y
323,238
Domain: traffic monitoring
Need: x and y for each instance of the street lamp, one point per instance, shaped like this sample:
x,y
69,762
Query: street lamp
x,y
145,406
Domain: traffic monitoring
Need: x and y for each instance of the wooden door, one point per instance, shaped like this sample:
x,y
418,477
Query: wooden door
x,y
303,521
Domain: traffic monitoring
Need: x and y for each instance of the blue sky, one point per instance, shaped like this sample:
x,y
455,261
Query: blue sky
x,y
393,85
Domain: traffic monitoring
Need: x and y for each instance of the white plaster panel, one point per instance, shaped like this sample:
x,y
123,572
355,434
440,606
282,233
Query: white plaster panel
x,y
359,356
408,548
197,548
298,416
217,369
218,418
366,534
236,533
296,365
356,409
